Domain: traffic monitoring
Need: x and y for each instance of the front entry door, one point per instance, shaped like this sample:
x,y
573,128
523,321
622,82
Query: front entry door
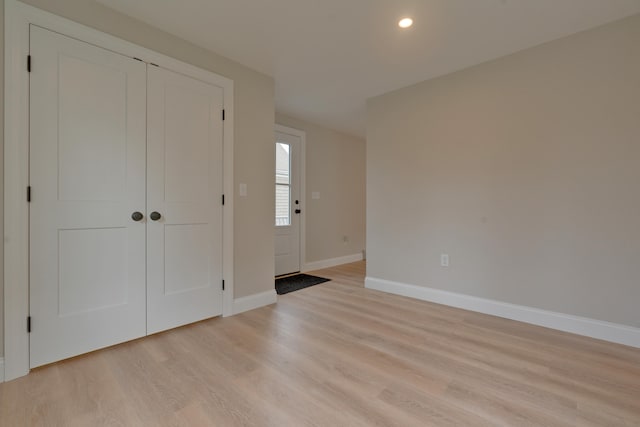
x,y
87,174
288,203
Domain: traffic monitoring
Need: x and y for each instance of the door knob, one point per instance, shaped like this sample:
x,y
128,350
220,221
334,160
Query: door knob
x,y
155,216
137,216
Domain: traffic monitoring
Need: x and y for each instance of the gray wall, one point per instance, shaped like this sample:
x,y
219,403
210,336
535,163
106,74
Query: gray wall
x,y
335,167
525,170
254,118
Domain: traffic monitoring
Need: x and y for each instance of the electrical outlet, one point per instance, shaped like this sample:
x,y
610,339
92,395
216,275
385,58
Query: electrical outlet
x,y
444,260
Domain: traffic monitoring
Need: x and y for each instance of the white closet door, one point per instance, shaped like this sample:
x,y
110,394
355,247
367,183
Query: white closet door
x,y
184,186
87,173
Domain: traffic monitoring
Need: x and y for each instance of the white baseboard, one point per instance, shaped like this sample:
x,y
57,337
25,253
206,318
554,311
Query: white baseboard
x,y
251,302
1,369
598,329
332,262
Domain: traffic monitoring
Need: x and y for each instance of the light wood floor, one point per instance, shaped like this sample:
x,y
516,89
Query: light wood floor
x,y
338,354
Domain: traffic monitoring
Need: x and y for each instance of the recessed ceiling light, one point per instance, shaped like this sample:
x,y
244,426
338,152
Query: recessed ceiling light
x,y
405,23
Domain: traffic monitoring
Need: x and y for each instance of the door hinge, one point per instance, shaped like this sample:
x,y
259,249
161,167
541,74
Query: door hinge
x,y
29,324
223,114
223,200
28,63
223,284
29,194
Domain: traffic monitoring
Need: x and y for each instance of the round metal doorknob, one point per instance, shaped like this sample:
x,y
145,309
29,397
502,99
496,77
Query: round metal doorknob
x,y
155,216
137,216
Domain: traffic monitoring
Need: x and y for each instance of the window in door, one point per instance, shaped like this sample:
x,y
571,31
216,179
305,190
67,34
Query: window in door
x,y
283,184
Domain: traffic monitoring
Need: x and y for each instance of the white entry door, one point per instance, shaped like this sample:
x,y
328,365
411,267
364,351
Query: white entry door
x,y
184,184
288,202
87,174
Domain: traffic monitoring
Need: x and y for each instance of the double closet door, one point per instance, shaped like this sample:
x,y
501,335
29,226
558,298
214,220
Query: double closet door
x,y
126,185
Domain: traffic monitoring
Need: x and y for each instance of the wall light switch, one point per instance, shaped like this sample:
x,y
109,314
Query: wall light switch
x,y
444,260
243,190
315,195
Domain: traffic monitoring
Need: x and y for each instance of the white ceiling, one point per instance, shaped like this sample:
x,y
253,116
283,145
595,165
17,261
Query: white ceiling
x,y
329,56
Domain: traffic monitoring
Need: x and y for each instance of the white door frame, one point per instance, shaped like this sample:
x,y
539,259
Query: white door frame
x,y
303,174
18,17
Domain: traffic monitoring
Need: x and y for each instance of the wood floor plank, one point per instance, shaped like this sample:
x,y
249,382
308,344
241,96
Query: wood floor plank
x,y
338,354
517,368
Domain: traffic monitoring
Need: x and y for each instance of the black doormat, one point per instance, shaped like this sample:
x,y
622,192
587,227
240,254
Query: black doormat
x,y
288,284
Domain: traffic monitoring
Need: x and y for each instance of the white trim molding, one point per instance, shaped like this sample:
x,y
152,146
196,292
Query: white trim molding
x,y
251,302
18,18
331,262
613,332
1,369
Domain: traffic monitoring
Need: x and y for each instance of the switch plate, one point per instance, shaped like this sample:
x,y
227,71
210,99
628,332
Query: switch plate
x,y
444,260
315,195
243,190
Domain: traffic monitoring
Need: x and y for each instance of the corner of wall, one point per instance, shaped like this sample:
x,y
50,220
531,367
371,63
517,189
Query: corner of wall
x,y
252,302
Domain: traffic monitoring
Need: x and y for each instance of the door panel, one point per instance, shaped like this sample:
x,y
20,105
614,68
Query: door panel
x,y
187,258
184,249
187,125
287,231
92,157
101,281
87,157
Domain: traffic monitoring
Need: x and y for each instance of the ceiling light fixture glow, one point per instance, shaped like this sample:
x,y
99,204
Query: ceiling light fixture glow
x,y
405,23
